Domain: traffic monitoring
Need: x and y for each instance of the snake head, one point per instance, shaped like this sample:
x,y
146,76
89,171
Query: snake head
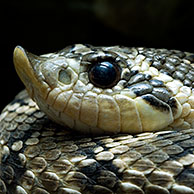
x,y
103,89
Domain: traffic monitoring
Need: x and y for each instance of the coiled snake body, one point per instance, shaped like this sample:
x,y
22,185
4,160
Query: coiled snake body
x,y
133,108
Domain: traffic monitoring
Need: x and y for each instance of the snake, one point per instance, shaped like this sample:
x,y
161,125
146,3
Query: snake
x,y
96,119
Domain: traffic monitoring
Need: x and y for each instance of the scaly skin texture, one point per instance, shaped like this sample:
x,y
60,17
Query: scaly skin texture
x,y
40,156
154,88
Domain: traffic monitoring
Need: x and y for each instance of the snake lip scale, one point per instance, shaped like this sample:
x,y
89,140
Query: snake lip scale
x,y
100,120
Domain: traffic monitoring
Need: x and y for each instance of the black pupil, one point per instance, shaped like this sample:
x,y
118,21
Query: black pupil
x,y
104,74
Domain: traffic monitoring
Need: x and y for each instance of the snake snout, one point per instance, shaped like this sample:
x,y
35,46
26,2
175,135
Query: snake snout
x,y
27,67
23,68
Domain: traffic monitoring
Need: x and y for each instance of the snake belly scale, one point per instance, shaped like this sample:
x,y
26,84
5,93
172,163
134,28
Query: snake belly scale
x,y
102,120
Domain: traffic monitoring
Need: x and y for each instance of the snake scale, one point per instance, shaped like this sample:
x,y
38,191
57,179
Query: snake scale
x,y
107,120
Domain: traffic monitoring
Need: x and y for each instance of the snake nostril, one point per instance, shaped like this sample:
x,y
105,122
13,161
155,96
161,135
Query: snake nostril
x,y
64,76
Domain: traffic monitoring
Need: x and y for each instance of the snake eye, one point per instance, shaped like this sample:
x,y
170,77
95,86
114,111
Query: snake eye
x,y
104,74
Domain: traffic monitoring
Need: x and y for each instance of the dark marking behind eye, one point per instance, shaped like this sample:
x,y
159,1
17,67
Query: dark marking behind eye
x,y
127,76
141,88
172,102
161,93
156,103
139,78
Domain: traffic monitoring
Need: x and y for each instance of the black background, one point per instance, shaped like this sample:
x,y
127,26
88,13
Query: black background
x,y
43,26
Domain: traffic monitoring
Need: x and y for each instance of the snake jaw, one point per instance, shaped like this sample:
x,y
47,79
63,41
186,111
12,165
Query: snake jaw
x,y
26,65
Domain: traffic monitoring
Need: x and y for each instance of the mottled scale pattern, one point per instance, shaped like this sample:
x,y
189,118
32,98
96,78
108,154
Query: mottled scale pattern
x,y
38,156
